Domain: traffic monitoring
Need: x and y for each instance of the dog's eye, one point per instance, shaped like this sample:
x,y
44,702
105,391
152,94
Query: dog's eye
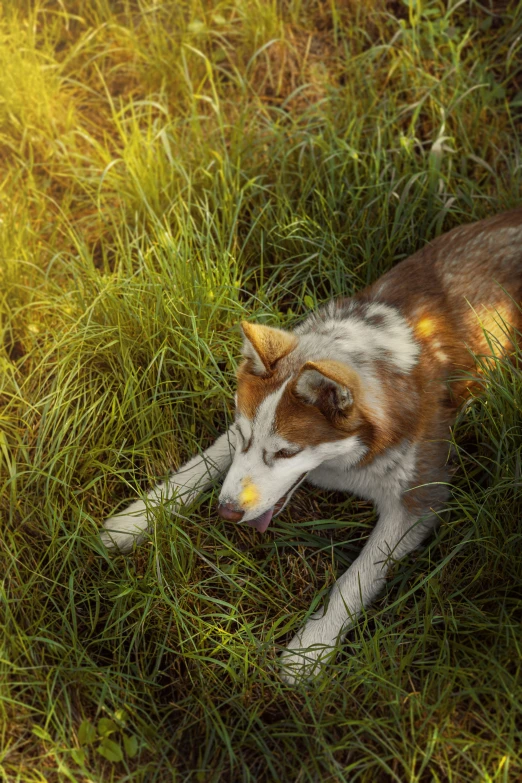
x,y
244,443
285,454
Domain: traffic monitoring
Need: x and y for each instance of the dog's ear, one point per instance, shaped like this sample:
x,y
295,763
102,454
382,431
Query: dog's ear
x,y
329,385
264,346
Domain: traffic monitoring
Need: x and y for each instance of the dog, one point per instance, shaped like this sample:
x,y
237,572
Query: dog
x,y
359,398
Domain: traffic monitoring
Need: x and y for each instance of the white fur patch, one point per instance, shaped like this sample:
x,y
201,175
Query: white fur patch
x,y
352,338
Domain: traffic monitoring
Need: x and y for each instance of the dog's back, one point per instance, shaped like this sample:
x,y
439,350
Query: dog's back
x,y
463,282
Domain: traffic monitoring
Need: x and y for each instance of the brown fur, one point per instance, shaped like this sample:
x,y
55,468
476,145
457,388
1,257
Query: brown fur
x,y
270,344
252,389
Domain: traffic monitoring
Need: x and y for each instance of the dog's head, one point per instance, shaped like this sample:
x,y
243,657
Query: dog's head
x,y
292,414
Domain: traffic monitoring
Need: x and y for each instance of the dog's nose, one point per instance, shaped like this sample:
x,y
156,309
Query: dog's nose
x,y
230,512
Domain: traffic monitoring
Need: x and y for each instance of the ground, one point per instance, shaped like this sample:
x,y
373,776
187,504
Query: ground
x,y
169,169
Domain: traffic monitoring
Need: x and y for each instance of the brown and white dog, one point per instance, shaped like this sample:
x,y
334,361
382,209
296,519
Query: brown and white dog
x,y
359,398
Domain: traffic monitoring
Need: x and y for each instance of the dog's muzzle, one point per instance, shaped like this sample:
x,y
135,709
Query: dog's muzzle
x,y
233,513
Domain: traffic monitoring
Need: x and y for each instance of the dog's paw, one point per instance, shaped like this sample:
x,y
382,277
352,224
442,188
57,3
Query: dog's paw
x,y
123,530
308,652
300,665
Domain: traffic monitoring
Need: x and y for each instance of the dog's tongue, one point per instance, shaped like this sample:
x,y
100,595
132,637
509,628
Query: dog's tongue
x,y
261,523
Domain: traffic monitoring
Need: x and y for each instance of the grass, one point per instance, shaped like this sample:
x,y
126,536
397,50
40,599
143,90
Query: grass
x,y
168,169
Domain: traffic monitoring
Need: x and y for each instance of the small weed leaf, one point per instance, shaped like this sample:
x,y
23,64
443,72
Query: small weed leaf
x,y
110,750
86,733
309,302
130,744
196,26
78,756
121,717
41,733
106,726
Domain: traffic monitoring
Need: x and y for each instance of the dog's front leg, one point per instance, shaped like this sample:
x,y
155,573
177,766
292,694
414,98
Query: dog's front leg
x,y
396,533
122,530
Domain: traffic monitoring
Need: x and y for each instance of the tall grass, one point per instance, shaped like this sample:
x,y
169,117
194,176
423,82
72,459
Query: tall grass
x,y
168,169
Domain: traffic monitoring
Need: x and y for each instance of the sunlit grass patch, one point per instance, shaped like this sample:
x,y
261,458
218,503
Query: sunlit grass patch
x,y
167,170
